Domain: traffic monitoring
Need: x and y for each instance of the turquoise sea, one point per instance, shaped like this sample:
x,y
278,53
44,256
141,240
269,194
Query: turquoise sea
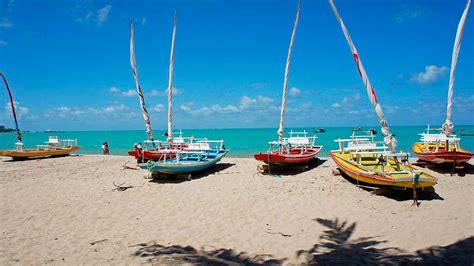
x,y
240,142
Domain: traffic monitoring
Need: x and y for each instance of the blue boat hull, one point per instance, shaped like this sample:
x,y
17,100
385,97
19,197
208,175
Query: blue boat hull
x,y
185,165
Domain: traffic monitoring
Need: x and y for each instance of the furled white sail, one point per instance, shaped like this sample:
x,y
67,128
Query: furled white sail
x,y
133,63
389,139
170,87
287,73
448,124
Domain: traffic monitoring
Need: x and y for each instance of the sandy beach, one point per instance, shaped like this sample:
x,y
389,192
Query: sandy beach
x,y
68,210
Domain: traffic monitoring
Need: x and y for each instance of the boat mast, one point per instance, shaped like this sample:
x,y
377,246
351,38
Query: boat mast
x,y
133,63
287,73
448,124
18,134
389,139
170,87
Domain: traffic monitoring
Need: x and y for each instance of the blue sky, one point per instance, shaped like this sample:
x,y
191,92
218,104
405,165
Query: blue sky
x,y
67,63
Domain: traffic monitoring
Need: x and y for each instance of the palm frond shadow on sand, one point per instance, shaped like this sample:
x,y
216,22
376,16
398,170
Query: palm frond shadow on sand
x,y
176,254
336,247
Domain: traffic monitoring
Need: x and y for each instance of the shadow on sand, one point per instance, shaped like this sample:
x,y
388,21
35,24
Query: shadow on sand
x,y
396,194
334,247
292,169
337,247
448,169
175,254
165,178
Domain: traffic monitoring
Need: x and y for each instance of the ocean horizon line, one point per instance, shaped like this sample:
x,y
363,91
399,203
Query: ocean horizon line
x,y
225,128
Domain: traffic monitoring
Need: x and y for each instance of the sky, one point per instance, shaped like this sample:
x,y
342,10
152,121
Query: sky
x,y
68,63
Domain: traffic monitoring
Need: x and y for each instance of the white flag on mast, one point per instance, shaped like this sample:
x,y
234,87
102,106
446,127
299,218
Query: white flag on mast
x,y
448,126
170,86
133,63
281,128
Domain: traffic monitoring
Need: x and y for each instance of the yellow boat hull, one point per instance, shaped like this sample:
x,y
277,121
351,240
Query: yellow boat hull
x,y
370,172
38,153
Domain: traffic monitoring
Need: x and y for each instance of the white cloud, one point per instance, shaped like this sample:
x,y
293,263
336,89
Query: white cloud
x,y
347,102
114,108
205,110
431,74
114,90
103,14
257,103
97,17
63,109
164,92
129,93
260,103
159,108
3,43
225,109
143,21
66,111
154,93
19,109
6,24
351,99
406,14
186,107
295,91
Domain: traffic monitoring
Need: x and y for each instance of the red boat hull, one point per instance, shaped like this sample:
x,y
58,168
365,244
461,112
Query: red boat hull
x,y
153,155
441,156
445,157
292,158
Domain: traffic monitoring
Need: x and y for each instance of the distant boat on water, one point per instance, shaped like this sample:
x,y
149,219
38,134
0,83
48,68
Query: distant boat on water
x,y
52,131
320,130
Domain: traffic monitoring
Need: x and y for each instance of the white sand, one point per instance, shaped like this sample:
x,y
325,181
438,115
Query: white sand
x,y
53,209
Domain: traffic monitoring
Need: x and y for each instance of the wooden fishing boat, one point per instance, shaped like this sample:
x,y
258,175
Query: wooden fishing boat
x,y
54,148
289,156
439,148
364,159
180,155
374,165
186,162
154,149
444,147
299,149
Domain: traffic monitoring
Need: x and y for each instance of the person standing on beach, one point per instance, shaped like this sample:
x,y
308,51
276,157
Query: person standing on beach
x,y
105,148
139,147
